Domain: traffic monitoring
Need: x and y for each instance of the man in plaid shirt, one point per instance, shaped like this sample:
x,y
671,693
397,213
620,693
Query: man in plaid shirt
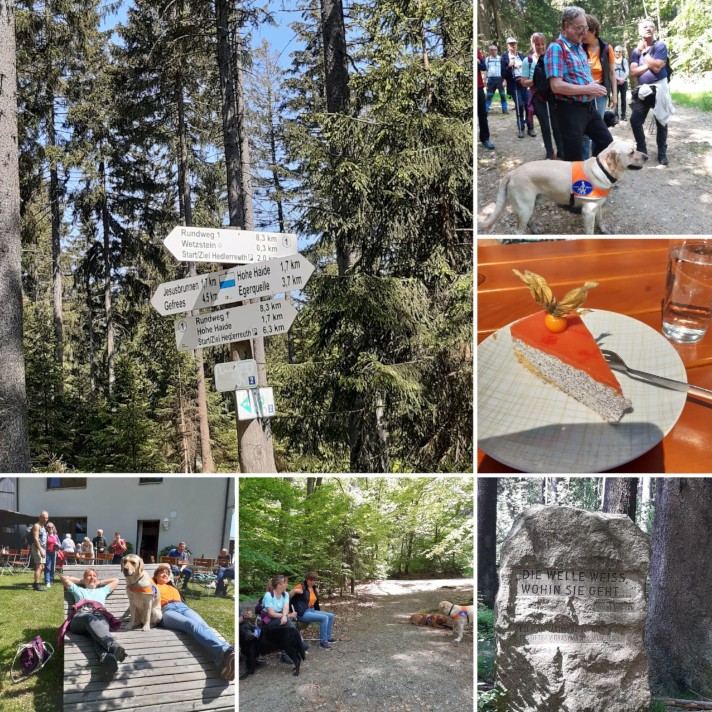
x,y
573,87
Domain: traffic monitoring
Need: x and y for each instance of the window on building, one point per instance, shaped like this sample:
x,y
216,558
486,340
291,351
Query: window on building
x,y
150,480
76,527
55,483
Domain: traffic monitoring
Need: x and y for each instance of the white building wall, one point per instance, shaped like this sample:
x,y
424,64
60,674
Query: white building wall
x,y
199,509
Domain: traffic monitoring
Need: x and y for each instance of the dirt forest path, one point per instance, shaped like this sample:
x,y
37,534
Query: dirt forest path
x,y
386,664
657,200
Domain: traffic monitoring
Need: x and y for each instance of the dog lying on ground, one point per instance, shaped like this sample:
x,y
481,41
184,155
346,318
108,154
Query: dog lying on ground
x,y
460,616
587,186
435,620
284,638
144,601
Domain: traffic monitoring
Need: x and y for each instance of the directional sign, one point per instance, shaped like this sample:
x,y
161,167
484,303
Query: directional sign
x,y
236,374
236,284
231,246
255,403
237,324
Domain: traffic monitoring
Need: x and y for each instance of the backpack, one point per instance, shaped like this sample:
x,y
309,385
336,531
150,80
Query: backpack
x,y
33,656
541,82
261,613
29,540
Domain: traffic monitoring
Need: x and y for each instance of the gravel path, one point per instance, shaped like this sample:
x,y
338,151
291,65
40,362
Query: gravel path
x,y
386,664
657,200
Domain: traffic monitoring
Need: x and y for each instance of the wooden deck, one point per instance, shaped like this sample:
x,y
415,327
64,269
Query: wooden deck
x,y
165,670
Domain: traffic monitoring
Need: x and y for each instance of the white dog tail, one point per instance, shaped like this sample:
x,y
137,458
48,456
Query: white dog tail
x,y
501,202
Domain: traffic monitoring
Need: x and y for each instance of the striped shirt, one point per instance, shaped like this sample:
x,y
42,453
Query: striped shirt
x,y
494,67
570,64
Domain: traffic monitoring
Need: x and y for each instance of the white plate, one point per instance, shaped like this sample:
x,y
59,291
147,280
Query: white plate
x,y
532,426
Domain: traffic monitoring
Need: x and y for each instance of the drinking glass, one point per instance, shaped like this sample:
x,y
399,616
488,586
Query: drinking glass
x,y
687,307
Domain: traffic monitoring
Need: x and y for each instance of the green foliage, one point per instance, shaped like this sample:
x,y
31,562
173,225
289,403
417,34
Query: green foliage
x,y
491,701
699,100
485,622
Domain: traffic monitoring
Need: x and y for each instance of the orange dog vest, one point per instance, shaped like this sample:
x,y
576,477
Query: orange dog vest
x,y
581,186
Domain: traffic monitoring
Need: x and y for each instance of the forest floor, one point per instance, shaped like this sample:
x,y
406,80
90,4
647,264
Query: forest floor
x,y
386,663
658,200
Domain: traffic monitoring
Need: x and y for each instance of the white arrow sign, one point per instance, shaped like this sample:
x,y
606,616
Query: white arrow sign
x,y
232,246
237,324
233,285
234,375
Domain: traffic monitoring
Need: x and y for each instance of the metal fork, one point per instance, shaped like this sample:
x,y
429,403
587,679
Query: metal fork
x,y
618,364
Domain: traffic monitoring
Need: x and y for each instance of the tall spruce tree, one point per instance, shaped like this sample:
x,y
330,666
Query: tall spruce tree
x,y
14,448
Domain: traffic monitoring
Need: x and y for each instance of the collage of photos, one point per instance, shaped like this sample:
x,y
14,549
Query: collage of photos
x,y
593,365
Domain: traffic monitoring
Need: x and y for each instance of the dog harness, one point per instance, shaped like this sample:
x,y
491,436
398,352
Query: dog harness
x,y
582,187
458,614
428,618
143,589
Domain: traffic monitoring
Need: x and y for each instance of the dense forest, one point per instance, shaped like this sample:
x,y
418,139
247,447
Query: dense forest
x,y
683,24
359,141
677,514
351,529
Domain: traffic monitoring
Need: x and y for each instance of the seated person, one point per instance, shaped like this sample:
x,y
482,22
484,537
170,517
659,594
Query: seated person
x,y
87,548
89,617
305,601
178,616
275,604
182,569
225,571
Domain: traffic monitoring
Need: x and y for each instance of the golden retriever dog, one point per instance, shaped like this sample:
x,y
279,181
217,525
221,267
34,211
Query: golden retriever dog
x,y
144,601
460,616
538,181
435,620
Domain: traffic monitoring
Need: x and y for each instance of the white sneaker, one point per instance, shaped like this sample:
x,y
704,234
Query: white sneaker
x,y
48,585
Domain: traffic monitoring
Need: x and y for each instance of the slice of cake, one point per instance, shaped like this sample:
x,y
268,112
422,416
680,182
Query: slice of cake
x,y
556,345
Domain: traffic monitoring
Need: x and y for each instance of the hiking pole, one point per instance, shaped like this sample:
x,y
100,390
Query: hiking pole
x,y
516,106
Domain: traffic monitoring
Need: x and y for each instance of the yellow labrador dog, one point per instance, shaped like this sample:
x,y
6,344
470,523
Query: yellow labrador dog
x,y
586,186
460,616
144,601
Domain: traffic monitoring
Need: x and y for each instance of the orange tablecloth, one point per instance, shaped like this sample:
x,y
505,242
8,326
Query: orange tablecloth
x,y
631,274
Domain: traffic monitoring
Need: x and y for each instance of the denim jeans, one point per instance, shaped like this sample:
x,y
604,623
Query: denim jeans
x,y
50,566
222,574
601,102
324,619
185,574
177,616
96,627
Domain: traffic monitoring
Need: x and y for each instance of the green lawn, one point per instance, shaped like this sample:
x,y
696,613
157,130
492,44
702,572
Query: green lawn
x,y
25,613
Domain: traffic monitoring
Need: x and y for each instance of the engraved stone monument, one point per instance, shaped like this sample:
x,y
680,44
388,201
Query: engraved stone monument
x,y
570,613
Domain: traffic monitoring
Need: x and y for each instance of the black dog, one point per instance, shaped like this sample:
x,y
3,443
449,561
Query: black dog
x,y
284,638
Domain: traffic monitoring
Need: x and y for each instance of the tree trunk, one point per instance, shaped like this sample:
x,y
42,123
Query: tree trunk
x,y
336,88
679,628
487,582
254,444
620,495
108,306
90,333
207,464
56,254
14,447
336,72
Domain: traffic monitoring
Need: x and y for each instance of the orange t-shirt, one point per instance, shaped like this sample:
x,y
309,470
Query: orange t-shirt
x,y
597,67
168,593
312,595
